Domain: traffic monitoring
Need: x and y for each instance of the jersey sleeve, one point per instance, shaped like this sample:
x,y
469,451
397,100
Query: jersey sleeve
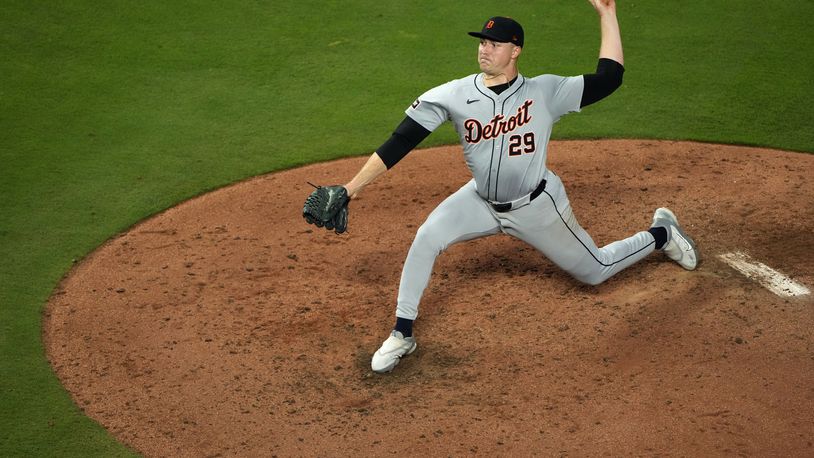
x,y
430,109
562,94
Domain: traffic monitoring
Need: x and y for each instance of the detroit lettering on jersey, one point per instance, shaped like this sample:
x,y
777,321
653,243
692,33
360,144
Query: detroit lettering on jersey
x,y
498,126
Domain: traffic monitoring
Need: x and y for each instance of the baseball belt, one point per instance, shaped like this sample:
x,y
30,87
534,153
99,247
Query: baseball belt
x,y
502,207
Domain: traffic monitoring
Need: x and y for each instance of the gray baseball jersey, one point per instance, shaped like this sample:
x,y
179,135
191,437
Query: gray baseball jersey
x,y
505,136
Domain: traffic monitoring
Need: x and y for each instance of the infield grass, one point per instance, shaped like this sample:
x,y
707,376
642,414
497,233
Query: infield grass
x,y
112,112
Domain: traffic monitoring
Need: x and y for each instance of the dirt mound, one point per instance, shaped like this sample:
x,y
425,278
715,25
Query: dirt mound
x,y
227,326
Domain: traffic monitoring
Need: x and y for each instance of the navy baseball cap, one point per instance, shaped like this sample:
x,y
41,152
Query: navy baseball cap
x,y
501,29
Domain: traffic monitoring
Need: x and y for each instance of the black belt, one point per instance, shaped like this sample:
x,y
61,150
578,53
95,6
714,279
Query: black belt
x,y
504,207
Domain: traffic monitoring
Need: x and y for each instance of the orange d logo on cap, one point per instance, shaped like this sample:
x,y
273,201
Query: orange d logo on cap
x,y
490,24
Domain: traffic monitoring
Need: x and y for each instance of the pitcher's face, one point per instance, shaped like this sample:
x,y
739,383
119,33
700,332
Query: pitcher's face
x,y
495,57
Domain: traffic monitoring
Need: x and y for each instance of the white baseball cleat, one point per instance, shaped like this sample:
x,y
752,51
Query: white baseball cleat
x,y
679,247
391,351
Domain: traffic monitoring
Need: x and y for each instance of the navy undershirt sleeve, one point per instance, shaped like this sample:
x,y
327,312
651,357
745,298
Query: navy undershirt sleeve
x,y
407,136
608,78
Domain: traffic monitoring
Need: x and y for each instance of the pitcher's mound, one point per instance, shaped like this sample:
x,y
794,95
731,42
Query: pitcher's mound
x,y
228,326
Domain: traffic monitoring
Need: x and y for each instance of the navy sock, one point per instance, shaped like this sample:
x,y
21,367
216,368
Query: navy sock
x,y
660,234
404,326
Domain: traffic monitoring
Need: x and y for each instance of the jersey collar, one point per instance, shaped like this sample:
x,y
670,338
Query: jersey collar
x,y
483,89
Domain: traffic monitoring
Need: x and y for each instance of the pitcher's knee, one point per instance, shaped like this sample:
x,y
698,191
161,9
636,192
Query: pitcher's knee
x,y
591,278
430,239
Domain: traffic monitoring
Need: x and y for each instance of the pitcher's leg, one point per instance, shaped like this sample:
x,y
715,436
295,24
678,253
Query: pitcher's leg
x,y
549,225
462,216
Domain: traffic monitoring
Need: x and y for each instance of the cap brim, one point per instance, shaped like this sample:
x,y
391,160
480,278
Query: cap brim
x,y
483,35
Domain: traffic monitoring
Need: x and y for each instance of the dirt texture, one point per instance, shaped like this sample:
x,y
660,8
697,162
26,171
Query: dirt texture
x,y
227,326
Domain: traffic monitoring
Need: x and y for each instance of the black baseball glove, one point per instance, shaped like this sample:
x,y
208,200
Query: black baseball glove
x,y
327,207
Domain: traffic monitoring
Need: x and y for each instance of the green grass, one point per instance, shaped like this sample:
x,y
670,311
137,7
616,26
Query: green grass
x,y
112,112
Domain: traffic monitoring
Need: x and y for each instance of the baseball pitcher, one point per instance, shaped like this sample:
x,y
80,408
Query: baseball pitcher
x,y
504,121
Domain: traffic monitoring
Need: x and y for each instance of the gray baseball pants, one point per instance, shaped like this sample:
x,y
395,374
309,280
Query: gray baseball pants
x,y
546,223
